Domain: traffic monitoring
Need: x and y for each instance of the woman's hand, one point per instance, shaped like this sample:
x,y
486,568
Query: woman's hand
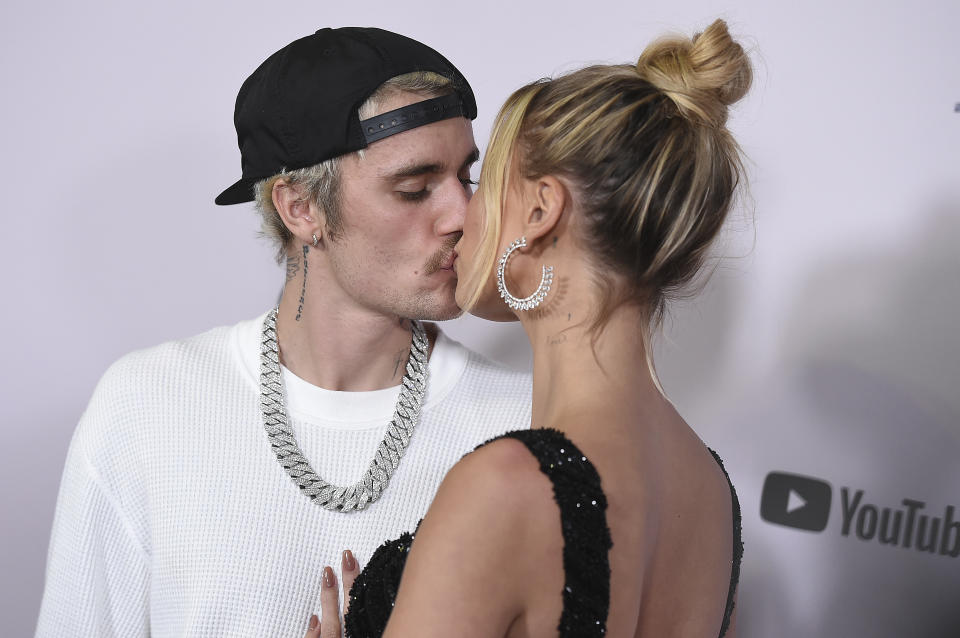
x,y
329,605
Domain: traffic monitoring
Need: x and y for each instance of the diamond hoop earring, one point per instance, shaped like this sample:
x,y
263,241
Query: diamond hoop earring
x,y
534,300
316,240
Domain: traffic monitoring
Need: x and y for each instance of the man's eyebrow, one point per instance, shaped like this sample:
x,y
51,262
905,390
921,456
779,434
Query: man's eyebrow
x,y
413,170
472,158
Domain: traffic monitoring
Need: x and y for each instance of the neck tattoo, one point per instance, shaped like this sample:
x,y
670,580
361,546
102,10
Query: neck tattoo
x,y
293,267
303,289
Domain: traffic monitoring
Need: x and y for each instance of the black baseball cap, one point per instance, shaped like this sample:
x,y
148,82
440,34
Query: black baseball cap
x,y
299,107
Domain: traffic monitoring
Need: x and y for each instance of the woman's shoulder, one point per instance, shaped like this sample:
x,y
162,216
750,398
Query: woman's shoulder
x,y
504,470
541,443
534,473
555,455
509,493
519,479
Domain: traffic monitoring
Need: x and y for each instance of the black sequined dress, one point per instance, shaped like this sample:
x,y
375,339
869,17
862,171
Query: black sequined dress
x,y
582,503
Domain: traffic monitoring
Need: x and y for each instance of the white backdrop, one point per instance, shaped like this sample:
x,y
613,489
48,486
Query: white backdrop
x,y
826,345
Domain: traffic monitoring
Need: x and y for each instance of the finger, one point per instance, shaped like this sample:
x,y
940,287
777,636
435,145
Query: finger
x,y
329,605
313,627
349,568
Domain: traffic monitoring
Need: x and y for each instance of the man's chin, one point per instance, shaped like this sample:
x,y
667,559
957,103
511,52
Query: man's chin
x,y
445,314
435,308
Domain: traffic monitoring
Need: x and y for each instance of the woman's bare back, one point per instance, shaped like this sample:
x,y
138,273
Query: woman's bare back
x,y
671,522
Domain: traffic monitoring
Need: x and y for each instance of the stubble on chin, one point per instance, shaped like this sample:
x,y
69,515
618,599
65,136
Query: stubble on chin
x,y
440,306
435,304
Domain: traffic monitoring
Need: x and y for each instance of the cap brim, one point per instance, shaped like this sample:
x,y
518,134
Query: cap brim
x,y
241,191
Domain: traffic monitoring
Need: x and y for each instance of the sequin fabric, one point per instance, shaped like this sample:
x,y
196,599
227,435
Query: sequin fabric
x,y
375,589
587,543
586,592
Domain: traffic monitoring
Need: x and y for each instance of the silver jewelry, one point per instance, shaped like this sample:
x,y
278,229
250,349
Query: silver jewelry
x,y
395,441
315,240
534,300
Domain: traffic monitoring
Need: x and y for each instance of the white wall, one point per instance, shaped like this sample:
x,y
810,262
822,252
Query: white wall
x,y
826,346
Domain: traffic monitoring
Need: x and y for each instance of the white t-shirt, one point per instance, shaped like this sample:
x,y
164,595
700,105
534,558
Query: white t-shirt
x,y
175,519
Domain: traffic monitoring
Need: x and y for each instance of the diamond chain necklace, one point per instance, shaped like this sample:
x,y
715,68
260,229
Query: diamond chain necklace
x,y
391,448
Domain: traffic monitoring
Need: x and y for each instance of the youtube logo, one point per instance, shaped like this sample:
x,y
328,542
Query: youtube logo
x,y
803,502
796,501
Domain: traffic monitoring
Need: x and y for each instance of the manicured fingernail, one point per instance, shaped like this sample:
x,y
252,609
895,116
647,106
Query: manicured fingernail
x,y
314,621
328,579
348,560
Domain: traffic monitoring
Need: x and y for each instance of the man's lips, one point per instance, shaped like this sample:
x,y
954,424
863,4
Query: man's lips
x,y
447,264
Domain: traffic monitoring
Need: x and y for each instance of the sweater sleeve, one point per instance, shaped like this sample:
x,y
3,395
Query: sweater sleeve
x,y
97,579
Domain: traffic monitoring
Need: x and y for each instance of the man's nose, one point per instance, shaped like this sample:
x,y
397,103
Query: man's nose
x,y
453,208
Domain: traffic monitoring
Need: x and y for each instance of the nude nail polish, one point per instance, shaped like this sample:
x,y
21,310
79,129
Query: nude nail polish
x,y
328,578
348,561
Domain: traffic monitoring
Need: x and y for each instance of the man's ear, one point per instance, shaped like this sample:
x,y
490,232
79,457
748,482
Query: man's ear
x,y
299,213
545,200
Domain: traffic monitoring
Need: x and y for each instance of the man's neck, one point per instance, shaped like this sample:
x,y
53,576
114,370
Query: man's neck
x,y
333,343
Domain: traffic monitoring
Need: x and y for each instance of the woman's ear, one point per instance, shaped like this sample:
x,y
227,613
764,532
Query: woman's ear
x,y
299,213
545,200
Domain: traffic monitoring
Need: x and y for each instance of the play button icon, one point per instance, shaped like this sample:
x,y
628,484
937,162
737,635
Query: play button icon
x,y
796,501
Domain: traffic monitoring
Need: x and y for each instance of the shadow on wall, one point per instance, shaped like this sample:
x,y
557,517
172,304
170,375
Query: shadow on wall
x,y
894,316
866,399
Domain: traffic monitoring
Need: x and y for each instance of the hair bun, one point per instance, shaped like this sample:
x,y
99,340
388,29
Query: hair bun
x,y
702,75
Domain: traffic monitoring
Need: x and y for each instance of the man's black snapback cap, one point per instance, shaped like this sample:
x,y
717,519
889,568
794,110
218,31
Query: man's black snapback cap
x,y
300,106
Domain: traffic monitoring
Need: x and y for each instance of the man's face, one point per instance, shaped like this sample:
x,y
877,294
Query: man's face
x,y
403,206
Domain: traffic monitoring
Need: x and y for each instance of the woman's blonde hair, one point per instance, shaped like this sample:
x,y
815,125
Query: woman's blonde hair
x,y
647,151
321,182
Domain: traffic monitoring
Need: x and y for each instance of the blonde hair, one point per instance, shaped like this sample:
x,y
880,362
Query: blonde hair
x,y
647,151
321,182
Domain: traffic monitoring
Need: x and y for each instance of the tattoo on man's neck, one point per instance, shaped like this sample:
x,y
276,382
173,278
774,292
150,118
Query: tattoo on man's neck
x,y
303,289
555,241
293,267
403,356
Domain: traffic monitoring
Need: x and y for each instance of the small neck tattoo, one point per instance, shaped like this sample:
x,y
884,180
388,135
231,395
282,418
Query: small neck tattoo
x,y
303,289
293,267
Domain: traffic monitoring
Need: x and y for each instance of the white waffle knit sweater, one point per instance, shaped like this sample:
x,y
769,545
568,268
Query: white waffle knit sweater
x,y
175,519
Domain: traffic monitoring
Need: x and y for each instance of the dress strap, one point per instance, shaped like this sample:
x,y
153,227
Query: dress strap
x,y
586,537
737,548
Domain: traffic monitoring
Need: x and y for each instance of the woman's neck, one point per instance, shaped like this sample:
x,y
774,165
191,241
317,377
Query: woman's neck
x,y
579,374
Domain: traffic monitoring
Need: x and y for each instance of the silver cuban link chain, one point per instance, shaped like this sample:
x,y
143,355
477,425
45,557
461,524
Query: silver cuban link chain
x,y
369,488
